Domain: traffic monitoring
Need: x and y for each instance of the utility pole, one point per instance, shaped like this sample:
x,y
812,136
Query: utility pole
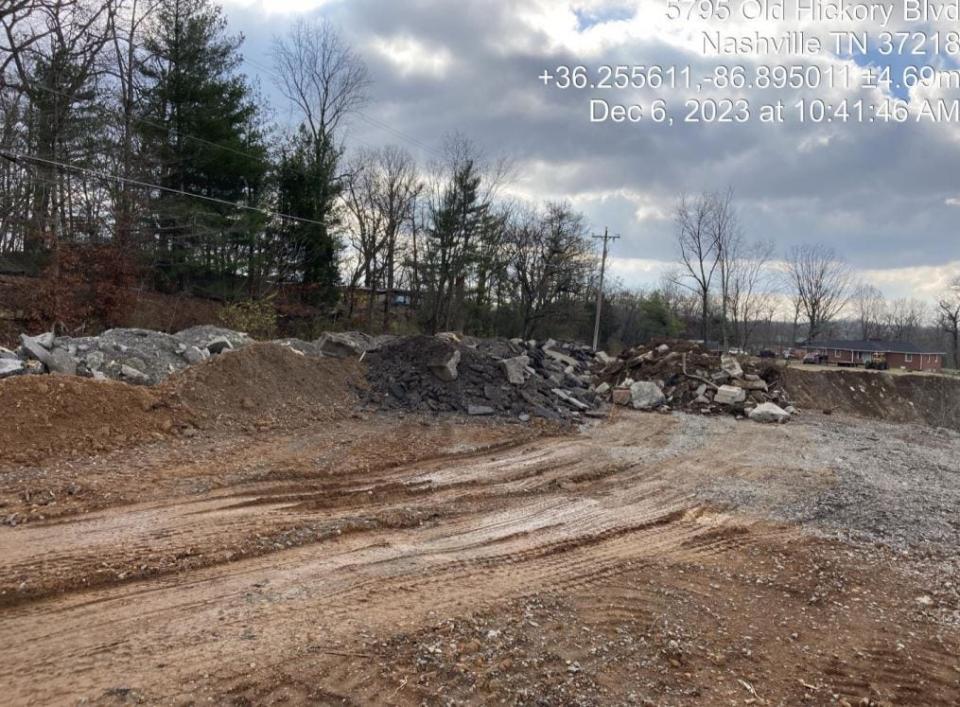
x,y
603,267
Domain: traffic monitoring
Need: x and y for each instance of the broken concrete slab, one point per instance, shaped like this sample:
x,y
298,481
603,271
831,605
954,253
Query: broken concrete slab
x,y
46,340
339,345
62,362
200,336
560,358
132,375
33,349
646,395
446,369
193,355
730,395
752,384
480,410
769,413
515,369
11,367
569,399
731,366
8,355
94,360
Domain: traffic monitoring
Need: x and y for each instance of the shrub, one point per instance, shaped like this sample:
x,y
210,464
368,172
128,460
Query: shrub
x,y
258,318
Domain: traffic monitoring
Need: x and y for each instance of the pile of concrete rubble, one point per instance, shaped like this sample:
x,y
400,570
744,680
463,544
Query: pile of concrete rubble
x,y
144,357
678,375
447,372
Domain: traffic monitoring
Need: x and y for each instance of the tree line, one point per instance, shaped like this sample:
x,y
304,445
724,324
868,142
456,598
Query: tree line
x,y
135,152
740,294
133,149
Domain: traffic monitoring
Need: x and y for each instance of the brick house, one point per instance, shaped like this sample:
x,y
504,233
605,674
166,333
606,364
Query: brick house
x,y
898,354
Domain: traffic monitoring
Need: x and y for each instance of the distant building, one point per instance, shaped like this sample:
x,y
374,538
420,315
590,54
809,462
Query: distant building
x,y
896,354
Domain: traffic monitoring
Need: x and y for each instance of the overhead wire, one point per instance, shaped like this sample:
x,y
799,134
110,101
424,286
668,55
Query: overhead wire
x,y
14,156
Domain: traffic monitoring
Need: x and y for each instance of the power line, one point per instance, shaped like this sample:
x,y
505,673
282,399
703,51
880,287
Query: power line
x,y
376,122
14,156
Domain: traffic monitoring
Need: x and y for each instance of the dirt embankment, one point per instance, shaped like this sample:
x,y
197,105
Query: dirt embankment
x,y
923,399
48,416
265,382
258,387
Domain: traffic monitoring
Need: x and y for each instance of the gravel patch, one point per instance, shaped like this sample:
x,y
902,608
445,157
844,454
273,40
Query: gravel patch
x,y
861,481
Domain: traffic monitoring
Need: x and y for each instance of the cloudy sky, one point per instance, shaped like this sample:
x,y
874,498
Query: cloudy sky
x,y
886,197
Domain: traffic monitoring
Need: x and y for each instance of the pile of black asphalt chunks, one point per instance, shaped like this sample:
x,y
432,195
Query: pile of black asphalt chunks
x,y
484,377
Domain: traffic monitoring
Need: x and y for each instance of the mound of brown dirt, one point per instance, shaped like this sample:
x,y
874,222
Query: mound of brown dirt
x,y
268,383
47,416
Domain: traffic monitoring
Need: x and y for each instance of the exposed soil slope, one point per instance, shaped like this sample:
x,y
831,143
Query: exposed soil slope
x,y
47,416
262,385
924,399
267,381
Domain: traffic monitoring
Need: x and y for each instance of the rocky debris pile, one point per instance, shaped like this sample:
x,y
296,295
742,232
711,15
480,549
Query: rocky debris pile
x,y
447,373
680,375
137,356
145,357
213,339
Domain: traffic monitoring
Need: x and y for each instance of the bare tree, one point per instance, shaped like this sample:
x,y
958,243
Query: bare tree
x,y
949,316
382,186
821,285
366,232
19,30
399,188
124,31
728,243
750,292
904,319
321,75
550,259
326,81
54,62
871,309
699,252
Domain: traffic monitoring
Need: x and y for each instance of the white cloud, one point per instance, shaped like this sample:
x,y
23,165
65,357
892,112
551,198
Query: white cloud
x,y
413,57
278,7
880,194
921,282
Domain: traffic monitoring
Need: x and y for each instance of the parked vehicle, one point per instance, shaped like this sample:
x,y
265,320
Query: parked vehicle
x,y
815,357
767,353
876,362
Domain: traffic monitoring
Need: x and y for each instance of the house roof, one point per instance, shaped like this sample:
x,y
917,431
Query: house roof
x,y
872,346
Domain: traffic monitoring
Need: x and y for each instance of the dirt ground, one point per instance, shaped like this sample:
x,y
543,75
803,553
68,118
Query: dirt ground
x,y
367,558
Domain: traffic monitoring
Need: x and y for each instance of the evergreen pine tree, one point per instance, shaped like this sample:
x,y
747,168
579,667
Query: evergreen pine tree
x,y
203,127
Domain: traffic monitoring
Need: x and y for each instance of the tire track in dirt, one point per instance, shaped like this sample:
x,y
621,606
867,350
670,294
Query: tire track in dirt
x,y
164,631
157,538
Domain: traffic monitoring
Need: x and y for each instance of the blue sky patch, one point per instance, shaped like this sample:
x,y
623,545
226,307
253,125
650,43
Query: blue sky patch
x,y
590,18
